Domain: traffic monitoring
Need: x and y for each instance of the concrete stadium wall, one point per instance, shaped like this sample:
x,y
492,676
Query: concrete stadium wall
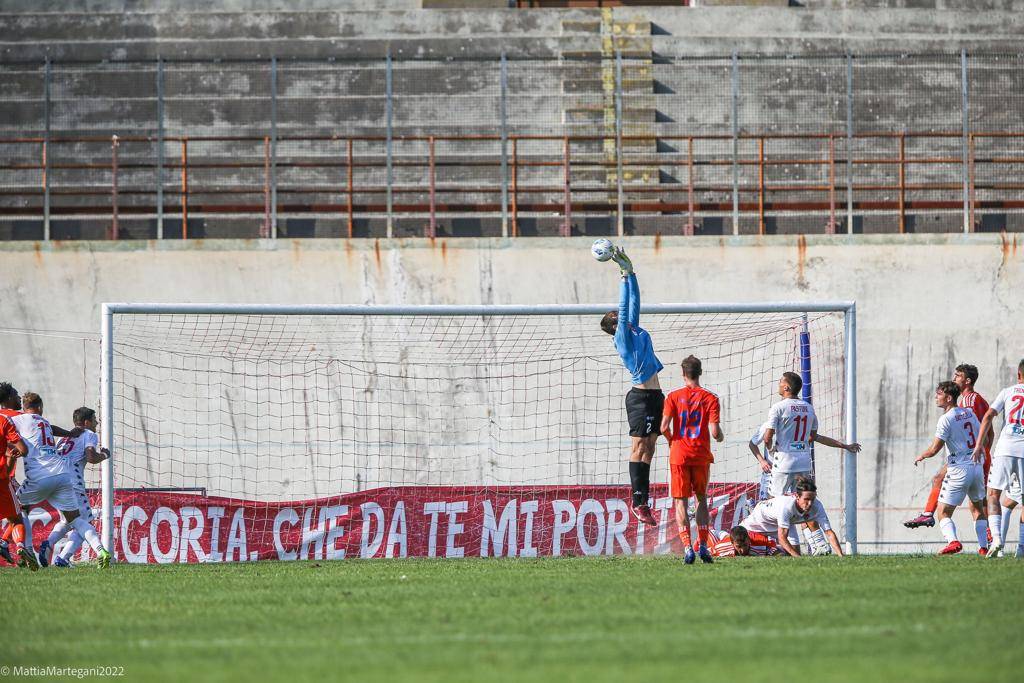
x,y
925,303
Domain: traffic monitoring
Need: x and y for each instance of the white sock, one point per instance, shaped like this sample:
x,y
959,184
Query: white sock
x,y
1004,522
981,528
59,531
948,529
994,526
87,532
28,531
72,546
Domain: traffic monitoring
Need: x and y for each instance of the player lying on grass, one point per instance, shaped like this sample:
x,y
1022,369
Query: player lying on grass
x,y
1008,457
965,376
791,428
957,431
78,451
48,478
780,516
690,419
644,400
740,542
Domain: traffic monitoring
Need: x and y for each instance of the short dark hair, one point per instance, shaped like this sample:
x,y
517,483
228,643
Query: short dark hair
x,y
7,392
793,381
610,322
949,389
30,399
970,372
739,533
805,484
82,414
1020,366
691,367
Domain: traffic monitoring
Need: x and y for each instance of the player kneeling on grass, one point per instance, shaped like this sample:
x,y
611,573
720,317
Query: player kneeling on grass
x,y
79,450
48,476
957,430
691,418
780,516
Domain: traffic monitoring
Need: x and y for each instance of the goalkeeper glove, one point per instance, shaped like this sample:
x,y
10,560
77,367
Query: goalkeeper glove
x,y
625,265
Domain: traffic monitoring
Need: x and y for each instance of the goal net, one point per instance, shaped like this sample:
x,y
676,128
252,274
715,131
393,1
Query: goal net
x,y
245,432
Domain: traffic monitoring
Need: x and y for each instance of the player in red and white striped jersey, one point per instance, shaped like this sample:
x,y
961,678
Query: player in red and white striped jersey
x,y
740,542
965,376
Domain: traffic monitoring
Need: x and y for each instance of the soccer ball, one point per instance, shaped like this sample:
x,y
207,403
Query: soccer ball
x,y
602,249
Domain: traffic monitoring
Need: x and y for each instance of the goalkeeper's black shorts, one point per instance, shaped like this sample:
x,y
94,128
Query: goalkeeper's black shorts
x,y
643,411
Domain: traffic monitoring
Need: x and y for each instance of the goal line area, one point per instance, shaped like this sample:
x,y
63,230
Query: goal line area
x,y
246,432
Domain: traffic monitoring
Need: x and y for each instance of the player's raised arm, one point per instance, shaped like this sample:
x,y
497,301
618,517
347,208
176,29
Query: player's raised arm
x,y
634,298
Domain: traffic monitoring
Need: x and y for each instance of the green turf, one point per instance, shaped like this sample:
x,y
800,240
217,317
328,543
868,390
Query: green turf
x,y
613,619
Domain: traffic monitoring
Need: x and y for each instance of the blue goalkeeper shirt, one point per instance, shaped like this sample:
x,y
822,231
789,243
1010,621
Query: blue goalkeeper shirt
x,y
632,341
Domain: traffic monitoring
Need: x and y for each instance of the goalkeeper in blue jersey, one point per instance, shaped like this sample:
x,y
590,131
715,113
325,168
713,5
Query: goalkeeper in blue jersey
x,y
645,400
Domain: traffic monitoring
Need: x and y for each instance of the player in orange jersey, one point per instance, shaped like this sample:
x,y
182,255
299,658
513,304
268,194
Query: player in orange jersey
x,y
740,542
964,377
10,445
690,419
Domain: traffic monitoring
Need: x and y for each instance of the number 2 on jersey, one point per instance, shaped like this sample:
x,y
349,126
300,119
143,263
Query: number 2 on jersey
x,y
1015,415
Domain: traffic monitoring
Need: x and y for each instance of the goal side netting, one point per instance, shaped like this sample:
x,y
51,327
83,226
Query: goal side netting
x,y
246,433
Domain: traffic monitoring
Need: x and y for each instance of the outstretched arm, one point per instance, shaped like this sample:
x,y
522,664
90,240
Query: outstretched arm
x,y
834,443
833,541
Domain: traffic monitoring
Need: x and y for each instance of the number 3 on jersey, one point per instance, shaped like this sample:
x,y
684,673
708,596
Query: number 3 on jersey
x,y
690,423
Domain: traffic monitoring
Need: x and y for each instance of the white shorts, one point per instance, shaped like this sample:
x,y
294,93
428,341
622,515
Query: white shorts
x,y
84,509
1014,492
962,481
1004,469
59,490
784,482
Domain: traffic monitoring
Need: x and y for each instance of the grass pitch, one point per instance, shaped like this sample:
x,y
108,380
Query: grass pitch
x,y
588,619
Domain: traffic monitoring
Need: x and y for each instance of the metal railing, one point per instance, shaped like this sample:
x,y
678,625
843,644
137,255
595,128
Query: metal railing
x,y
556,176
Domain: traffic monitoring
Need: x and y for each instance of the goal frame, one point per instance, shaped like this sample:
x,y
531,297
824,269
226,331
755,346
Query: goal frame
x,y
107,360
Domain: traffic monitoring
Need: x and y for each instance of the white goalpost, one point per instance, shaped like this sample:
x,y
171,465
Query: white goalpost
x,y
241,432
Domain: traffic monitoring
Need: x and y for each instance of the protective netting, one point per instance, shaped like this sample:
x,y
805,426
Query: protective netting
x,y
274,409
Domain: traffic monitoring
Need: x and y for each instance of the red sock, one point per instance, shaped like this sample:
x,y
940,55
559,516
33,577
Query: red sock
x,y
702,534
8,530
17,532
684,536
933,500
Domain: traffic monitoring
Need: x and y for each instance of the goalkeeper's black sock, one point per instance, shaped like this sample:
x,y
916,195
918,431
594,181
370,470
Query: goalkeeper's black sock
x,y
634,483
644,482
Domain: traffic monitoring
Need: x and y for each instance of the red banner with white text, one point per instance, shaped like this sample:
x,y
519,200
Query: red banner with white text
x,y
414,521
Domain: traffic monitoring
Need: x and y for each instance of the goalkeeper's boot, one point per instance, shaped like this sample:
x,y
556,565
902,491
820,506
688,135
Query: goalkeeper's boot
x,y
705,554
61,562
28,557
995,550
623,261
952,548
104,559
923,519
5,552
689,557
643,513
983,551
44,553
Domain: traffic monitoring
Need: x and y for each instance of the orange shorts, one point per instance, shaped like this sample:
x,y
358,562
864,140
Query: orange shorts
x,y
8,502
689,480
